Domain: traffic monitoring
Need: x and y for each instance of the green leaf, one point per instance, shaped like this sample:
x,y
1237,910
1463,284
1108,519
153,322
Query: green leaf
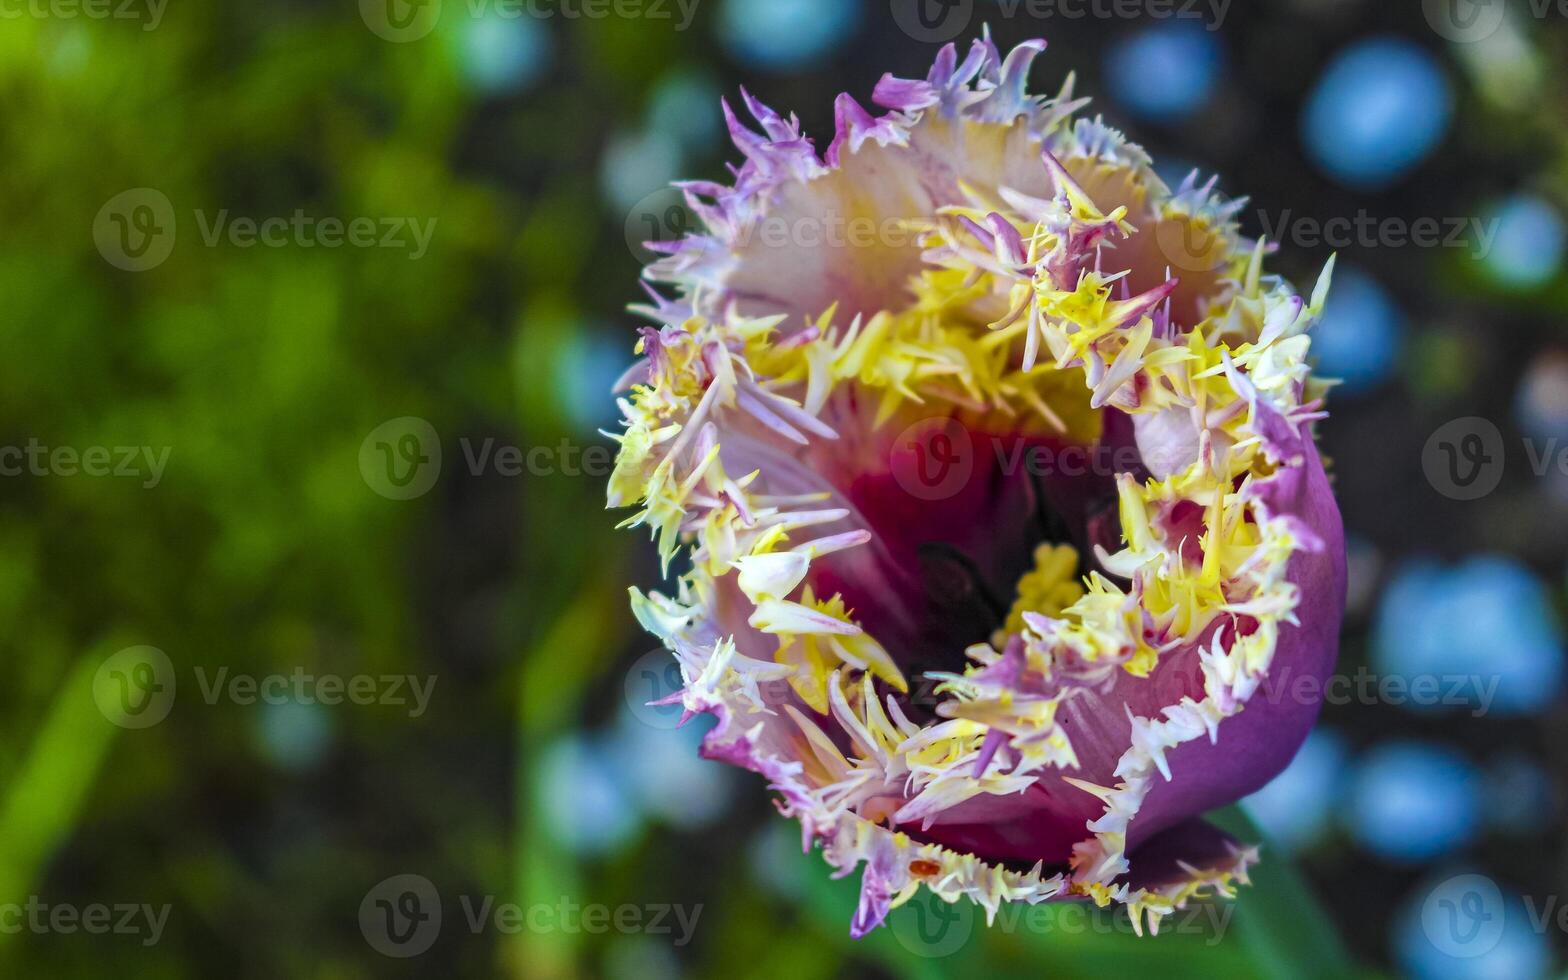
x,y
44,800
1279,920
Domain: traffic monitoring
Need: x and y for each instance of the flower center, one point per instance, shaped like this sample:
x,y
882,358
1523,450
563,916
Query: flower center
x,y
962,569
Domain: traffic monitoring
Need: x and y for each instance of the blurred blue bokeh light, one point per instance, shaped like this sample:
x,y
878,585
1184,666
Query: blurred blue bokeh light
x,y
1164,73
1295,807
293,734
637,164
1489,619
669,778
1410,802
1528,249
783,34
503,55
585,804
686,105
1511,950
590,362
1360,335
1378,110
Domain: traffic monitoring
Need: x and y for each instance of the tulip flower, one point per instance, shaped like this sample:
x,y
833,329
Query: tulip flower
x,y
984,463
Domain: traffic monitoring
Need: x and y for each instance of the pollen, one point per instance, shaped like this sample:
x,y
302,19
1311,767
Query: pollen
x,y
1047,589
